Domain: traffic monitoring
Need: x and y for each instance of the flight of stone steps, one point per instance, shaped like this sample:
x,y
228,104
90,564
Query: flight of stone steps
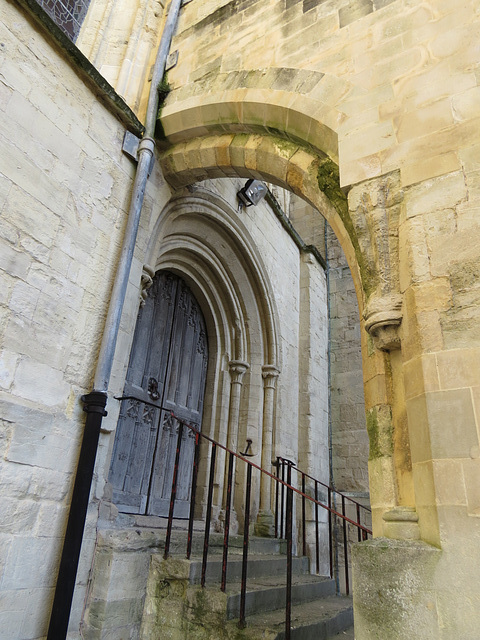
x,y
317,613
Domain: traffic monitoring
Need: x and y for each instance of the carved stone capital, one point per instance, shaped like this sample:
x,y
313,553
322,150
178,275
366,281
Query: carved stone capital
x,y
237,369
383,316
146,282
270,374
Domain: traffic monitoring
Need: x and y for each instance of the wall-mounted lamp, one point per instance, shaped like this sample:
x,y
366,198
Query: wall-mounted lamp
x,y
252,193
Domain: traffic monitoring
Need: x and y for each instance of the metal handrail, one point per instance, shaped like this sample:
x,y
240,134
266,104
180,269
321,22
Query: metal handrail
x,y
326,485
362,531
280,482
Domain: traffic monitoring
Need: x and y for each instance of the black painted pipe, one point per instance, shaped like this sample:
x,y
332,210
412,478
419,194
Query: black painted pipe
x,y
94,405
95,402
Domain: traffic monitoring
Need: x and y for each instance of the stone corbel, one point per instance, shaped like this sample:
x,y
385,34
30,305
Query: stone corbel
x,y
146,282
375,211
383,316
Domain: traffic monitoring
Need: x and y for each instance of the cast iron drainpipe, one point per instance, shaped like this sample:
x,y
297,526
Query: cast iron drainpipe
x,y
96,401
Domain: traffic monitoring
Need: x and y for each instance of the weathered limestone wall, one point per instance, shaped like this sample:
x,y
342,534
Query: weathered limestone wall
x,y
392,93
64,189
347,406
350,447
120,39
383,88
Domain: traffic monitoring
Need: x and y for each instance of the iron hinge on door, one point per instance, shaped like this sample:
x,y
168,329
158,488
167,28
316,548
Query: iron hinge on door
x,y
151,404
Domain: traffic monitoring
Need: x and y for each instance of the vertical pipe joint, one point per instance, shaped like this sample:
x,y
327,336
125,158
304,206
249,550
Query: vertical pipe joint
x,y
95,402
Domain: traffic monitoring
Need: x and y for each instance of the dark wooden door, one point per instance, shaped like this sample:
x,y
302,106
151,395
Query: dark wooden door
x,y
166,373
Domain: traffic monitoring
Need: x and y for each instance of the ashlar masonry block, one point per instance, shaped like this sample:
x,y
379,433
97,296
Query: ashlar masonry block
x,y
391,596
442,425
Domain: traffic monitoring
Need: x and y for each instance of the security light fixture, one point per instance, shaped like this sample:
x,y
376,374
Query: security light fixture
x,y
252,192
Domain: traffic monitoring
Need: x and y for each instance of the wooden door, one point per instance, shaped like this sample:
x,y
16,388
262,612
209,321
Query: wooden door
x,y
166,373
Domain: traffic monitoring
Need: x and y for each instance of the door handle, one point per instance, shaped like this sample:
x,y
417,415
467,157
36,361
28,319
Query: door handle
x,y
153,389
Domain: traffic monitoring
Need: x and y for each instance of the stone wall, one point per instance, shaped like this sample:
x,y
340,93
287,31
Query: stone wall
x,y
349,438
64,188
121,41
393,96
347,406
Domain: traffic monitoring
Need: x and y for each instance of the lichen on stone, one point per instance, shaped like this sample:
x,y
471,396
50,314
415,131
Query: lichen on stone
x,y
380,431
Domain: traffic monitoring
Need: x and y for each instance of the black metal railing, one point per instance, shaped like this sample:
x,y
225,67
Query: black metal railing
x,y
350,514
286,522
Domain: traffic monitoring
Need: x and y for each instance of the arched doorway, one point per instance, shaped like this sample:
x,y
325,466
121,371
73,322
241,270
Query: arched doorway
x,y
166,374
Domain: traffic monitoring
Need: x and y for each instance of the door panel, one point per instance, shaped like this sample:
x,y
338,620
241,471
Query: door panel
x,y
170,349
182,396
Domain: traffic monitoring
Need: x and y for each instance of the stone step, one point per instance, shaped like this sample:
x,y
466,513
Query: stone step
x,y
317,620
269,593
178,543
348,634
259,565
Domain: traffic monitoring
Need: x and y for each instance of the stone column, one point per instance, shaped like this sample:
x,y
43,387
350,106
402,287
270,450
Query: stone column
x,y
237,369
265,520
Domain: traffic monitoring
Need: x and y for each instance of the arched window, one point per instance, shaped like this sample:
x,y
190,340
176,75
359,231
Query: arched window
x,y
67,14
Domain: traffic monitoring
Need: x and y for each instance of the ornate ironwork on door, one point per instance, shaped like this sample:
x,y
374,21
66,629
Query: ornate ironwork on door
x,y
166,373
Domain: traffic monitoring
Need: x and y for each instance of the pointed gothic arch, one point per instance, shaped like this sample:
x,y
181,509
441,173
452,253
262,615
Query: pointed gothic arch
x,y
197,238
366,225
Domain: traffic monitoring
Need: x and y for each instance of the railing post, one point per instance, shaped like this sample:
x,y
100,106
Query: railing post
x,y
359,531
304,533
208,514
330,530
317,542
289,536
282,498
241,623
227,521
277,491
174,490
193,495
345,547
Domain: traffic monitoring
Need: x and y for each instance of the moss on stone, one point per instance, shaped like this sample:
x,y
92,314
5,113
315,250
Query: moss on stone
x,y
372,430
163,91
328,178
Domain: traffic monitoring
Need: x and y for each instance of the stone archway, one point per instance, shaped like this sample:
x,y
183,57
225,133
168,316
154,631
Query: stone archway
x,y
197,237
366,227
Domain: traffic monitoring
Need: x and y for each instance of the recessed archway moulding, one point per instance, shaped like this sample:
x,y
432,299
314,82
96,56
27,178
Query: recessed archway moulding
x,y
366,223
291,120
299,105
